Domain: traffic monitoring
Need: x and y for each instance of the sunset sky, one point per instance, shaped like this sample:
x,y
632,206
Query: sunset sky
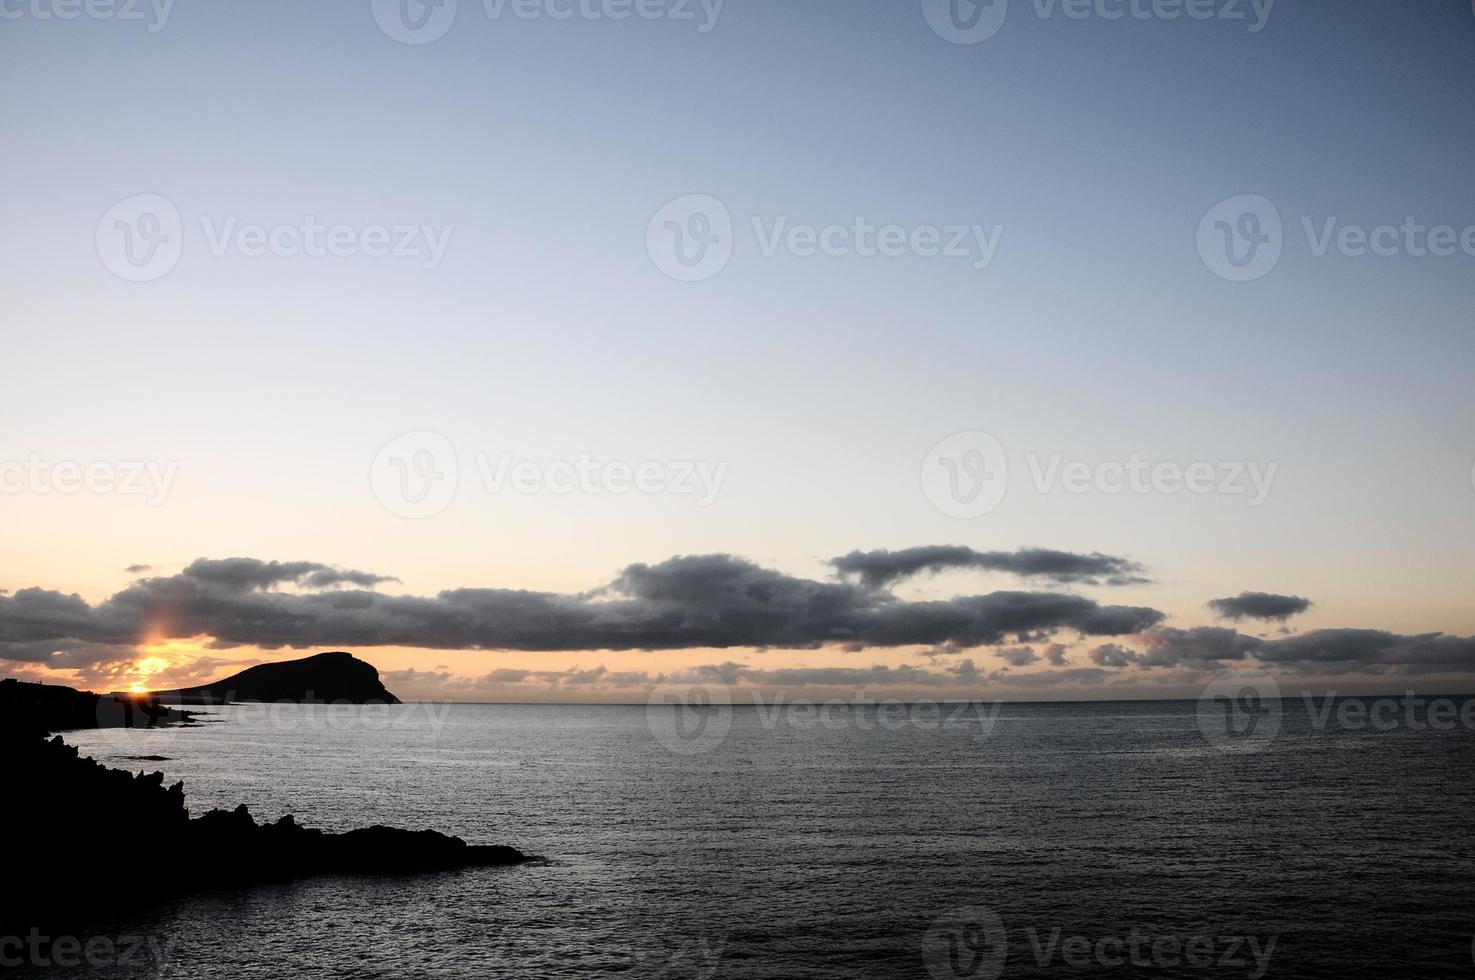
x,y
269,392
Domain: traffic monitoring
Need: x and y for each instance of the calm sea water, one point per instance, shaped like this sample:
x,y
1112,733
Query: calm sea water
x,y
1061,839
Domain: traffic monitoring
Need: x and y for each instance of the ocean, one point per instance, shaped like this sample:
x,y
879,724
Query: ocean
x,y
1022,840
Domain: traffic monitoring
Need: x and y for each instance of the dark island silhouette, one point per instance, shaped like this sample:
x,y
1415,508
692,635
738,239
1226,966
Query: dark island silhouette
x,y
74,825
333,678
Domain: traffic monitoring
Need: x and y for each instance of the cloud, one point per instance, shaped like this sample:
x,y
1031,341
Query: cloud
x,y
879,569
713,601
1112,655
422,678
1325,651
1260,605
138,569
688,602
1371,651
1200,648
1052,678
1018,656
246,574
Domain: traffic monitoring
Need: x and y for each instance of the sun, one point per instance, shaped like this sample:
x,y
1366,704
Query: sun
x,y
146,668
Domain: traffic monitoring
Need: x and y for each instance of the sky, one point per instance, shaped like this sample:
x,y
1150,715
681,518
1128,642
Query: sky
x,y
308,284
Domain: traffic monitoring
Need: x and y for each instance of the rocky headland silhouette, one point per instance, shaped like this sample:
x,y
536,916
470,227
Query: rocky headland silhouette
x,y
327,678
87,839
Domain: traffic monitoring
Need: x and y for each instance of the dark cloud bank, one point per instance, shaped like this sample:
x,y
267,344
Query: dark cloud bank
x,y
685,602
879,569
1260,605
713,601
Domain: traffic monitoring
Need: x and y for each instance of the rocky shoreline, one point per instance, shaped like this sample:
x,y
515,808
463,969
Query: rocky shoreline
x,y
91,840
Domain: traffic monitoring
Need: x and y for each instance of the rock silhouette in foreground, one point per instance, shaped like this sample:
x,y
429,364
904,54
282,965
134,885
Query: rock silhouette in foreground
x,y
87,840
327,678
